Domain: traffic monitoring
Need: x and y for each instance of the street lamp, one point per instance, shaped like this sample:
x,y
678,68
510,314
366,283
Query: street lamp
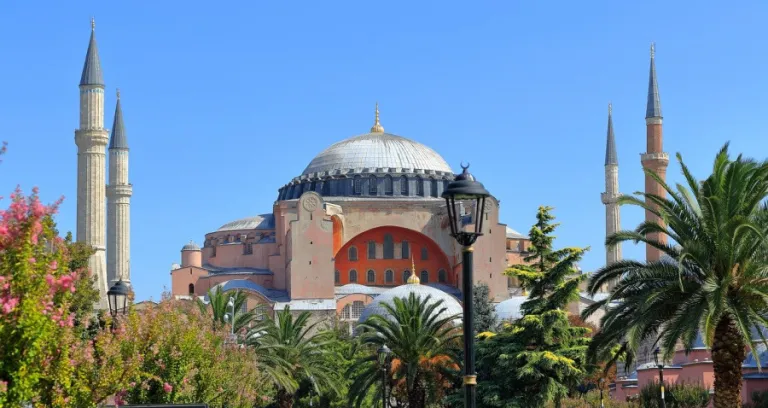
x,y
231,304
464,188
383,354
660,365
117,296
600,384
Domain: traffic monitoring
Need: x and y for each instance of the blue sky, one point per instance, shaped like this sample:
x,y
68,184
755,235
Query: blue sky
x,y
224,102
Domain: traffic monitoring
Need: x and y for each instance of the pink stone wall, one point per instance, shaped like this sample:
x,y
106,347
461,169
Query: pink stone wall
x,y
311,262
192,258
181,279
752,385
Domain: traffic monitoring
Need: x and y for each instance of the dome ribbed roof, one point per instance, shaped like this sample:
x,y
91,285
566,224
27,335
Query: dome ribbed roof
x,y
377,150
450,303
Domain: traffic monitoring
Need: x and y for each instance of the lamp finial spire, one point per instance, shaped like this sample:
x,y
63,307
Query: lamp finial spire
x,y
377,128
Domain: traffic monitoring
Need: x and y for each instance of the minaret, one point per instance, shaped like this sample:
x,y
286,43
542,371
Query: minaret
x,y
119,193
654,158
611,194
91,140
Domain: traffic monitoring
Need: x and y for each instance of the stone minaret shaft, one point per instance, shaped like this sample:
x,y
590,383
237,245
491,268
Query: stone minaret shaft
x,y
611,194
119,193
654,158
91,140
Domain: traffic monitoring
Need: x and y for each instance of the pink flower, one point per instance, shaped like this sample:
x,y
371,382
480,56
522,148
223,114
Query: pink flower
x,y
53,265
32,260
167,388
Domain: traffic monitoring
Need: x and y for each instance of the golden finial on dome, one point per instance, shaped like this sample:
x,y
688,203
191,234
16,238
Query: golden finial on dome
x,y
413,279
377,128
93,23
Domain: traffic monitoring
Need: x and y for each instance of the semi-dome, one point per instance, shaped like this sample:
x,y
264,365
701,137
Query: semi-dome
x,y
372,151
450,303
509,309
259,222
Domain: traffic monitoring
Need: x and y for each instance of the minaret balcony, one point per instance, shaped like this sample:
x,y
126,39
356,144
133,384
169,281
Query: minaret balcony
x,y
609,198
655,158
119,190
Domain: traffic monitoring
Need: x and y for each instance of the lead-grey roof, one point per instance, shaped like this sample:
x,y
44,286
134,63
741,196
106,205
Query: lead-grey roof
x,y
272,295
450,303
510,309
118,140
259,222
92,68
512,234
611,158
191,246
372,151
653,108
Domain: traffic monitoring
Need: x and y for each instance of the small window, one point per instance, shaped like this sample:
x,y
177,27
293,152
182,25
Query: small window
x,y
404,186
371,250
406,275
433,187
247,248
389,247
388,185
371,276
358,185
419,187
352,253
442,277
346,313
213,250
389,276
336,277
424,277
353,276
424,254
406,250
261,311
326,189
313,185
191,289
373,188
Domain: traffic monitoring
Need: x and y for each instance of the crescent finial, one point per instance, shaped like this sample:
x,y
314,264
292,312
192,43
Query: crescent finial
x,y
463,167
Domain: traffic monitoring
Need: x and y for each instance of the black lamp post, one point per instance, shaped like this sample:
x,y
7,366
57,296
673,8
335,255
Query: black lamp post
x,y
660,365
465,189
600,384
117,296
384,353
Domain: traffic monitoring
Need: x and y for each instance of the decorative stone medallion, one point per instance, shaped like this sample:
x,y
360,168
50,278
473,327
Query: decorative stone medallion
x,y
311,202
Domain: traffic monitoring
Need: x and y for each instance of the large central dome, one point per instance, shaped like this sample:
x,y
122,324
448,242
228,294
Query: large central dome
x,y
373,151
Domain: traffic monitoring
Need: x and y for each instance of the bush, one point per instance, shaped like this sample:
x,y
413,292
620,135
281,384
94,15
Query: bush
x,y
759,400
591,400
676,396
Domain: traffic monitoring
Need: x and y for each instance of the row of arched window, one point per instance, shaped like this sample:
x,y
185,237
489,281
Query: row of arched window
x,y
389,276
388,250
358,185
373,185
353,311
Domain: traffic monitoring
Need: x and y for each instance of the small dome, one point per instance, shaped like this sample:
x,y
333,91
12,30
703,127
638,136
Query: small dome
x,y
377,150
356,289
190,247
450,303
510,308
259,222
514,234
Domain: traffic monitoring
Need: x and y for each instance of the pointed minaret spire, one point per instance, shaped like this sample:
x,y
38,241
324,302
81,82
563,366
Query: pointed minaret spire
x,y
377,128
653,108
118,139
611,195
92,67
610,147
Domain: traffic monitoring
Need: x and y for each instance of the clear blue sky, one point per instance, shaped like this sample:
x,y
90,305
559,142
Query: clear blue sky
x,y
224,102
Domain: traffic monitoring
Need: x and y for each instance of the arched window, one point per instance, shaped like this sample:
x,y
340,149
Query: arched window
x,y
442,277
404,186
352,253
191,289
419,187
406,250
313,185
336,277
371,250
389,247
389,276
261,311
373,187
353,276
346,313
406,274
371,276
424,277
424,254
358,185
326,189
388,185
357,309
433,187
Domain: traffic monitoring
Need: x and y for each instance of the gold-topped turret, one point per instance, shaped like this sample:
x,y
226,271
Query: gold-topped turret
x,y
413,279
377,128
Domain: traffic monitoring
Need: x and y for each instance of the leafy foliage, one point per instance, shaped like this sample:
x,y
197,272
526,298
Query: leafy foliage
x,y
424,346
540,357
485,314
219,310
714,281
675,396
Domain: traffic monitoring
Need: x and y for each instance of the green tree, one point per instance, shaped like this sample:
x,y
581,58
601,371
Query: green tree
x,y
218,308
291,350
540,357
485,315
713,281
424,344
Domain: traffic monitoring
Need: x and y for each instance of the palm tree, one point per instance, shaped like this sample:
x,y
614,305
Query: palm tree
x,y
291,350
714,281
218,304
424,347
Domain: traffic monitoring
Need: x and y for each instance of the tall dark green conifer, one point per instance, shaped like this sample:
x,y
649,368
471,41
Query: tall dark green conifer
x,y
485,315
